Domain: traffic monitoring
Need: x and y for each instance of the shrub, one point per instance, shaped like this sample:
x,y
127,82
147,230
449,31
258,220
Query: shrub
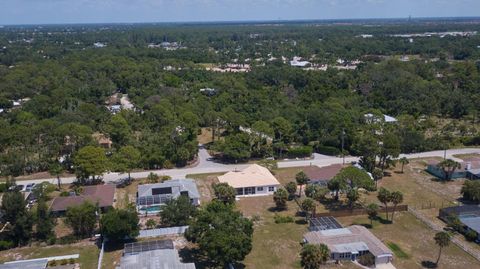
x,y
327,150
66,240
168,165
71,261
65,194
3,187
64,262
152,178
367,259
300,152
471,235
5,245
51,240
283,219
165,178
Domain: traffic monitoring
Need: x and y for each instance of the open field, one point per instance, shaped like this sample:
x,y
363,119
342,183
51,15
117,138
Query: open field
x,y
413,243
204,184
275,245
417,187
88,253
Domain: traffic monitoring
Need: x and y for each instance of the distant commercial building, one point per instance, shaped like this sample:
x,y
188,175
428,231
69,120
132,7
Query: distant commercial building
x,y
255,180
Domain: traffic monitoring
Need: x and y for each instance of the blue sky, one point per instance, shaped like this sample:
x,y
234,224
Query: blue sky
x,y
103,11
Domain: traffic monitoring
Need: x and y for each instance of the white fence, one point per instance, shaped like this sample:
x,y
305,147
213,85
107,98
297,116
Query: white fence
x,y
162,232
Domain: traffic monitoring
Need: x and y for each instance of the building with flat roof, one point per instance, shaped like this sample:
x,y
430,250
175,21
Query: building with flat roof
x,y
255,180
350,243
150,197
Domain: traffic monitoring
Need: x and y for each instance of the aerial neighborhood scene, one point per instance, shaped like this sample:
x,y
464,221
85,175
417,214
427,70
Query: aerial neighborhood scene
x,y
153,134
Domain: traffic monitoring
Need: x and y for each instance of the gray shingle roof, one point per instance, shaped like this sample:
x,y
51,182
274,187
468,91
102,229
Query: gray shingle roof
x,y
177,185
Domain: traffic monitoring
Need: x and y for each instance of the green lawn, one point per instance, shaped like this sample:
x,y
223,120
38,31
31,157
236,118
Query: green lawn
x,y
88,253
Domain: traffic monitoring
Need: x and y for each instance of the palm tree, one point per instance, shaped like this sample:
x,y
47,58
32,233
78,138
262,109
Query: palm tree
x,y
301,179
324,253
151,223
403,161
56,170
308,205
377,174
396,198
313,256
280,198
384,196
352,196
448,166
372,211
442,239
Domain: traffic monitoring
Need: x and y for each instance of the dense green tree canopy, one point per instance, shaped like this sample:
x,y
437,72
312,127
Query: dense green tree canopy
x,y
222,233
119,224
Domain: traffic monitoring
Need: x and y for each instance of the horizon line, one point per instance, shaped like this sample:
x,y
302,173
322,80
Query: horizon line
x,y
265,21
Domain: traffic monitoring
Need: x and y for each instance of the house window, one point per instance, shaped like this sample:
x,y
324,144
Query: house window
x,y
249,190
270,189
240,191
259,188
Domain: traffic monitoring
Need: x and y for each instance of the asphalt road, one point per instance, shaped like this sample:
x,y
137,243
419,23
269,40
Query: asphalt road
x,y
206,165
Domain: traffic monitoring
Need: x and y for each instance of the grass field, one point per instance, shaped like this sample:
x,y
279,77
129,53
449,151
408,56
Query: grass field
x,y
88,253
275,245
412,243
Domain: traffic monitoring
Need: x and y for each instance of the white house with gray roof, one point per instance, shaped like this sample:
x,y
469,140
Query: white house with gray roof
x,y
351,243
150,197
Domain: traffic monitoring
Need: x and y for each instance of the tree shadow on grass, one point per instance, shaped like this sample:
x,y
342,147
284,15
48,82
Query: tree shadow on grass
x,y
193,255
429,264
367,225
301,221
384,221
275,209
